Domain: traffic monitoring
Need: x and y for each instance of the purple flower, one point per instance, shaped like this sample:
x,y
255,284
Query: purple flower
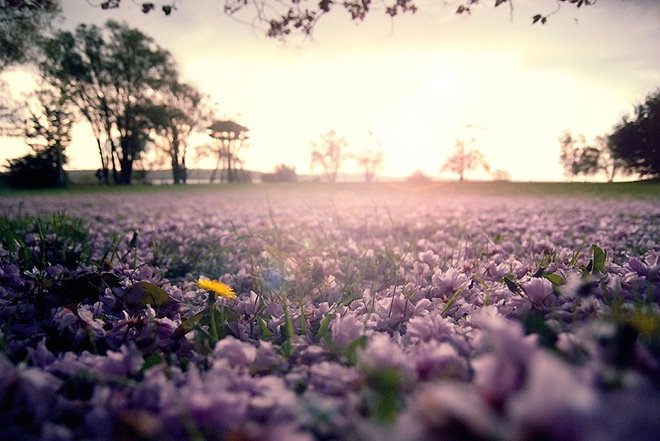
x,y
434,360
332,378
345,330
443,406
504,352
449,281
236,352
382,353
428,326
539,291
64,318
556,400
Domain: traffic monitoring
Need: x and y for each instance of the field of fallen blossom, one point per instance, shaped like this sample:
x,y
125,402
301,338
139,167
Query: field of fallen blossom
x,y
338,313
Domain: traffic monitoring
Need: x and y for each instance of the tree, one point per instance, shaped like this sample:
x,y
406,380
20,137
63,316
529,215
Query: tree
x,y
282,173
23,24
329,154
22,27
113,76
636,141
10,112
418,176
463,159
39,169
181,112
577,157
48,131
77,63
282,18
581,158
501,175
370,160
229,139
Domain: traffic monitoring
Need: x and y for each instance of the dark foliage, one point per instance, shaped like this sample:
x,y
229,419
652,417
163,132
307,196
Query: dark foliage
x,y
636,141
40,169
22,24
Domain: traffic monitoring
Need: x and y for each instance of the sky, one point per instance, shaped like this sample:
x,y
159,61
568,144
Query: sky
x,y
411,86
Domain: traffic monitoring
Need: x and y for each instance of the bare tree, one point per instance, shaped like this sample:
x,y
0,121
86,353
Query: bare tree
x,y
370,160
464,158
329,153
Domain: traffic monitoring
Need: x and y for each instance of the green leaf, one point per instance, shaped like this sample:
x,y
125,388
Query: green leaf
x,y
263,327
534,324
598,259
351,350
513,286
288,323
191,322
152,360
485,286
556,279
143,293
323,328
576,255
386,401
453,298
288,332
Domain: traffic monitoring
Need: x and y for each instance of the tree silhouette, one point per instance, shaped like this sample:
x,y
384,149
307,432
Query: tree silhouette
x,y
285,17
580,158
636,140
463,159
182,111
370,160
113,75
577,157
48,129
23,24
229,139
329,153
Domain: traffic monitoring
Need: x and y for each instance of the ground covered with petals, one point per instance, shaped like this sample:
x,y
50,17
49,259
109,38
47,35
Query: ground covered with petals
x,y
357,315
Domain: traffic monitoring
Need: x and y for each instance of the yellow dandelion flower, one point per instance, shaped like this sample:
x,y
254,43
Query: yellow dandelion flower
x,y
217,288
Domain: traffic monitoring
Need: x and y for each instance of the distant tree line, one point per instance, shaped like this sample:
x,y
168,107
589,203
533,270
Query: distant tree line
x,y
633,146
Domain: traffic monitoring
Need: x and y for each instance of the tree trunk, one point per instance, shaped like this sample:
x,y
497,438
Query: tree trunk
x,y
217,164
126,172
183,170
175,170
103,176
114,159
230,175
